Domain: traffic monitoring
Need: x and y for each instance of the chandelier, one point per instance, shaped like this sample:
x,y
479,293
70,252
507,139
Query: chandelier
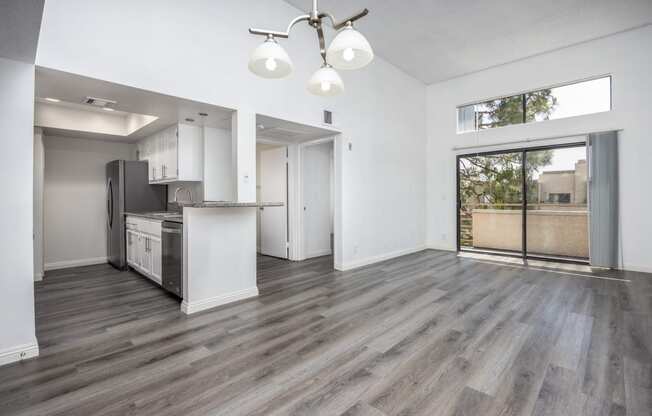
x,y
348,50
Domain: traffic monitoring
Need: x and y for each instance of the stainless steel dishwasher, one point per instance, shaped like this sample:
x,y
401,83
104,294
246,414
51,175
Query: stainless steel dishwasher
x,y
172,241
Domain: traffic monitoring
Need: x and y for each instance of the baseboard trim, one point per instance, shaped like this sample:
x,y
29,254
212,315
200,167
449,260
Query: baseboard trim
x,y
19,353
635,268
74,263
376,259
440,247
319,253
201,305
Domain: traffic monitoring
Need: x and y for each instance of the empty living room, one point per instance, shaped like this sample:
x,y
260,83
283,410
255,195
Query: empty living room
x,y
320,207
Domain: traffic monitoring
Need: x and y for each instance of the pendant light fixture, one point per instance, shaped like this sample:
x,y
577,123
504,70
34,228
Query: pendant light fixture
x,y
349,50
325,81
269,60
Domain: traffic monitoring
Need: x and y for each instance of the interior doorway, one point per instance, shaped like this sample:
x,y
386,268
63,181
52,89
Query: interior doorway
x,y
317,185
296,164
272,185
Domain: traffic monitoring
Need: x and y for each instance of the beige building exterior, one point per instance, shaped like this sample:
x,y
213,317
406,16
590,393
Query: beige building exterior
x,y
564,186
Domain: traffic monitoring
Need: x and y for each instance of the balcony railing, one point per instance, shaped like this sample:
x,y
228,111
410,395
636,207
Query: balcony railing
x,y
553,229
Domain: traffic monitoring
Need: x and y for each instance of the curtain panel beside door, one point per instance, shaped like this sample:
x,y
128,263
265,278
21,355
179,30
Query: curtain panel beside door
x,y
603,199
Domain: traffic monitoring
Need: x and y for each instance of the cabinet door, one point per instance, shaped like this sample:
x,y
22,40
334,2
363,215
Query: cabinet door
x,y
170,153
140,251
132,239
155,256
159,157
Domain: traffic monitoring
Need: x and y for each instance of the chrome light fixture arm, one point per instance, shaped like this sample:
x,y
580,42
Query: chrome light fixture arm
x,y
314,18
339,25
275,33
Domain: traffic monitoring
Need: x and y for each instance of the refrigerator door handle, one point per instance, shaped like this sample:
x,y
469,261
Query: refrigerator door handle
x,y
109,202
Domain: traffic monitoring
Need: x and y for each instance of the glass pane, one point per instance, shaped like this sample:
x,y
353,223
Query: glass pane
x,y
500,112
557,216
577,99
490,191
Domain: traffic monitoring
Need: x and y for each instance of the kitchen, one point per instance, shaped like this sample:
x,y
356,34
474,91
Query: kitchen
x,y
178,184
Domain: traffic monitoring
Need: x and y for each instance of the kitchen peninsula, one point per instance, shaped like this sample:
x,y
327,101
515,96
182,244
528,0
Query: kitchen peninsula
x,y
219,252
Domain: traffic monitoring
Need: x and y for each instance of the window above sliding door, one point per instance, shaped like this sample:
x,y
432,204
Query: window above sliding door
x,y
569,100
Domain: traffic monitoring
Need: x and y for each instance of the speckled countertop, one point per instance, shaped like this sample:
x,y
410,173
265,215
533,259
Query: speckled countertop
x,y
178,217
229,204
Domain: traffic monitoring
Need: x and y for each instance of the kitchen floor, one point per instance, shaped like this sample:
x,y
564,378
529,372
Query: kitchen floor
x,y
428,333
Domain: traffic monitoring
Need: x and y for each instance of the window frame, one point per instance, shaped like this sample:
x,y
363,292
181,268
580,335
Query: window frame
x,y
523,95
523,252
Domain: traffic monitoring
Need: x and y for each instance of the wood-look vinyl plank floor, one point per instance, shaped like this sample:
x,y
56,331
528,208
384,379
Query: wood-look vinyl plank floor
x,y
429,333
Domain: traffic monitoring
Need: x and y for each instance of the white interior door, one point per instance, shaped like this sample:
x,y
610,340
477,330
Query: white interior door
x,y
273,188
317,190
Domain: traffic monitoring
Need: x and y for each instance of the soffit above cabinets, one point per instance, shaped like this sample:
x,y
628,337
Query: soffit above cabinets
x,y
134,113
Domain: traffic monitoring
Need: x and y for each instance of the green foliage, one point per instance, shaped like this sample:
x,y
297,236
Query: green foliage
x,y
496,179
539,105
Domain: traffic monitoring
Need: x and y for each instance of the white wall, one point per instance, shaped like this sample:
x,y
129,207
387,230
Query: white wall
x,y
75,199
219,182
199,50
626,56
39,177
316,184
17,333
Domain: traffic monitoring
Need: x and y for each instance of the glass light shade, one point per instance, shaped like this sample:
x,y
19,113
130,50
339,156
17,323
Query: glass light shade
x,y
349,50
326,82
269,60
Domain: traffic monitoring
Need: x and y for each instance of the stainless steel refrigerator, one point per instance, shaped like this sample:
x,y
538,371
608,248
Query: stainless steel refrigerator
x,y
128,190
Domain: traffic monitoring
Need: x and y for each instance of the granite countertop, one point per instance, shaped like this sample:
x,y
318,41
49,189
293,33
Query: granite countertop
x,y
229,204
178,217
160,215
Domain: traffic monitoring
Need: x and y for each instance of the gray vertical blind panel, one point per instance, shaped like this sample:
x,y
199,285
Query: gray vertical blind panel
x,y
603,199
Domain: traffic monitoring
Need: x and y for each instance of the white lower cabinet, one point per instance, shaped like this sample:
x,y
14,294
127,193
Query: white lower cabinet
x,y
144,247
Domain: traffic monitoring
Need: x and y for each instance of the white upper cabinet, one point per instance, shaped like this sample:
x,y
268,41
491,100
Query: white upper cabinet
x,y
174,154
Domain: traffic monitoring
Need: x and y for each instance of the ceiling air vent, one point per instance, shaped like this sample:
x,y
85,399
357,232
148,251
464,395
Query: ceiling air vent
x,y
98,102
328,117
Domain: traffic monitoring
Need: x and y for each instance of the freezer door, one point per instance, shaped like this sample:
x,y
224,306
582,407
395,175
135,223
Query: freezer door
x,y
139,195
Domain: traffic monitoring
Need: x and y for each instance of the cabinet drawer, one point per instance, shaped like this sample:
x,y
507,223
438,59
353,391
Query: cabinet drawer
x,y
144,225
152,227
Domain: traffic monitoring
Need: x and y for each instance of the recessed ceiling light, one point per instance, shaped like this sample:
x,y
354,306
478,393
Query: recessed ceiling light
x,y
203,114
190,120
52,100
108,109
261,127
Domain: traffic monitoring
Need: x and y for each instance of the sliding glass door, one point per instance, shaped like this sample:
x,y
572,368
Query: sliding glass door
x,y
490,190
557,214
525,202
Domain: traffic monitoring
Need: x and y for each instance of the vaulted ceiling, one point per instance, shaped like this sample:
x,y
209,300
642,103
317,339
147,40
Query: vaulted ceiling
x,y
435,40
20,22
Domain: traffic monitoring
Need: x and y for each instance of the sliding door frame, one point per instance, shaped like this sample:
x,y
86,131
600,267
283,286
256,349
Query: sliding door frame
x,y
523,252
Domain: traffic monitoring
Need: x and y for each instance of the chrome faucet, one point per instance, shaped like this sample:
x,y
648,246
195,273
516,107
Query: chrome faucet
x,y
180,188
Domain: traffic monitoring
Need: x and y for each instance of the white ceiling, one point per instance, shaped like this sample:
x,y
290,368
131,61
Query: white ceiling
x,y
20,23
435,40
71,88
